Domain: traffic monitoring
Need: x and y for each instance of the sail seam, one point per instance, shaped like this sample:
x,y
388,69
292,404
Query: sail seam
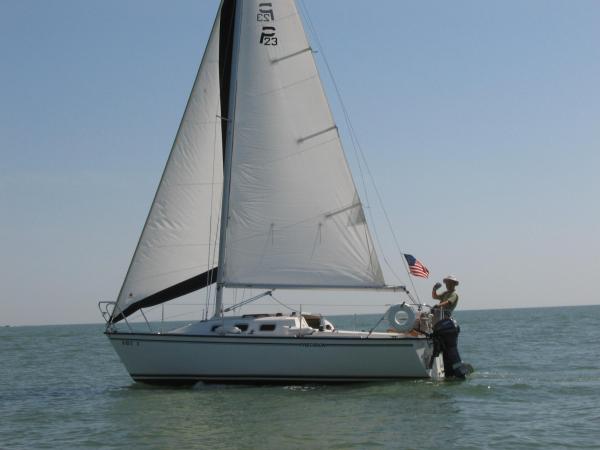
x,y
294,154
286,86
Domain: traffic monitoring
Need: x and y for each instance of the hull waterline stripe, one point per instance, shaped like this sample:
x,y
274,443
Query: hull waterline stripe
x,y
294,341
218,377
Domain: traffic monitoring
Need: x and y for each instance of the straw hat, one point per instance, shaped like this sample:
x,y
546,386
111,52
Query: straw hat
x,y
452,278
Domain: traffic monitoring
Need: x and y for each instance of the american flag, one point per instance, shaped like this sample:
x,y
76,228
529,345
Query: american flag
x,y
416,268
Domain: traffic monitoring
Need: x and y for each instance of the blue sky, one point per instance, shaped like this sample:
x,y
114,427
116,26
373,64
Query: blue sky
x,y
480,121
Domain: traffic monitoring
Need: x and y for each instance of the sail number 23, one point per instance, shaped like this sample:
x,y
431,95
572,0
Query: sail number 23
x,y
266,14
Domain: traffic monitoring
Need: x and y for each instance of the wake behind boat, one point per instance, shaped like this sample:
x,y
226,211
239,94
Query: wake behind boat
x,y
257,194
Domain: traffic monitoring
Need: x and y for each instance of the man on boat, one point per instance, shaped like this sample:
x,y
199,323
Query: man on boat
x,y
449,298
446,330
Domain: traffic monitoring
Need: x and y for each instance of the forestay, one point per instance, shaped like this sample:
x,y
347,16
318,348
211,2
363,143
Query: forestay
x,y
177,251
295,218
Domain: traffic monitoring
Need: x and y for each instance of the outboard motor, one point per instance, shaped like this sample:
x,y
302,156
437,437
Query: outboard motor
x,y
445,341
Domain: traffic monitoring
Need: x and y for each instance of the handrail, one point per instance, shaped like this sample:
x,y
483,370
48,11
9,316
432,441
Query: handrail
x,y
249,300
104,306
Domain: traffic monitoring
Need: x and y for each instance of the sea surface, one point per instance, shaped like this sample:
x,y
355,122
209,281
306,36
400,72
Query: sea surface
x,y
536,385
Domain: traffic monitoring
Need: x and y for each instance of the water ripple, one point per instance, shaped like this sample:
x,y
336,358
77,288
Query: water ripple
x,y
63,387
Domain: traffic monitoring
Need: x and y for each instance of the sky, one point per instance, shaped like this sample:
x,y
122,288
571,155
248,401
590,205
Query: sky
x,y
480,122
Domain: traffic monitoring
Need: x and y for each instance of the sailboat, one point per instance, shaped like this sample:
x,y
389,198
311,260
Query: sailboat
x,y
257,194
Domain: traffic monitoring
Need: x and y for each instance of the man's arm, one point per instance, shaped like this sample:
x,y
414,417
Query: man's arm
x,y
434,294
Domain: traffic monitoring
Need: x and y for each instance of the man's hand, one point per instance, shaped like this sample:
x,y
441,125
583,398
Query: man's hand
x,y
436,286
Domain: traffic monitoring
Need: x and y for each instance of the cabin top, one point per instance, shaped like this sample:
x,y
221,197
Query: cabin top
x,y
260,325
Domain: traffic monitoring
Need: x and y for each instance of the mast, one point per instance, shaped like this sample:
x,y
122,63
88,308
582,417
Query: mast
x,y
229,118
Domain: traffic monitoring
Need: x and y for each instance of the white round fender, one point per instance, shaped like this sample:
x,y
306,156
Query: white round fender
x,y
401,325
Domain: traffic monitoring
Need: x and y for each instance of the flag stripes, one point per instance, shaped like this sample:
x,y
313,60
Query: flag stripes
x,y
415,266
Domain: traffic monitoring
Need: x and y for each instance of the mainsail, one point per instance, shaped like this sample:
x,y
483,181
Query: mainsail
x,y
177,250
294,218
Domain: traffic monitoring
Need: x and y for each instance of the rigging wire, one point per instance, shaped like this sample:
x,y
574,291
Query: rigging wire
x,y
361,156
283,304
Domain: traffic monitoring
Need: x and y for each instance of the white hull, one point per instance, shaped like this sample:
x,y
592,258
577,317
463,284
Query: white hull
x,y
176,358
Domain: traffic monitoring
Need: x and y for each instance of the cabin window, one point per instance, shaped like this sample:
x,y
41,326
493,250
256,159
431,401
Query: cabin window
x,y
313,322
214,327
242,326
267,327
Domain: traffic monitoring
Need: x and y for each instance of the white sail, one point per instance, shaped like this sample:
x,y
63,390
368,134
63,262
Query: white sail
x,y
179,242
294,217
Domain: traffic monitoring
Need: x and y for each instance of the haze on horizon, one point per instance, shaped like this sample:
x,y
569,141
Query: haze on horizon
x,y
480,122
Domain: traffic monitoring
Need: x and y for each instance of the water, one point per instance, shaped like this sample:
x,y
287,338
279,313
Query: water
x,y
536,385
